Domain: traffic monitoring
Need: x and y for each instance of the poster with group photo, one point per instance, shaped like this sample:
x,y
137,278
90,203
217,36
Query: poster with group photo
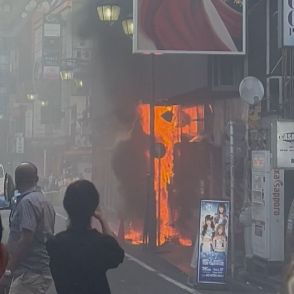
x,y
190,26
213,241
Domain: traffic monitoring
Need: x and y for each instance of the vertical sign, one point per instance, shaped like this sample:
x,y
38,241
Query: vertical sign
x,y
19,144
277,216
261,167
51,47
286,23
213,241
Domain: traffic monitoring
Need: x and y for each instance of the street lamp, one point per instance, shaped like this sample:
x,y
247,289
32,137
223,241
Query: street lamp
x,y
31,6
238,2
79,83
108,11
44,103
31,97
128,25
66,75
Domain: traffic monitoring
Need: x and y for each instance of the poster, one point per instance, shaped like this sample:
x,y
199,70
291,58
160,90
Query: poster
x,y
213,241
190,26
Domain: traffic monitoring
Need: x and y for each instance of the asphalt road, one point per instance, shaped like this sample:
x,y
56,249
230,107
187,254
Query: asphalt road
x,y
135,276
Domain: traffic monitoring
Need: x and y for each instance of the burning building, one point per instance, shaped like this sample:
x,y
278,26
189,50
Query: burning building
x,y
182,172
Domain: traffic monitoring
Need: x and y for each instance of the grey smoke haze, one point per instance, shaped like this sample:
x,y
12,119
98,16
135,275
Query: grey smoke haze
x,y
120,80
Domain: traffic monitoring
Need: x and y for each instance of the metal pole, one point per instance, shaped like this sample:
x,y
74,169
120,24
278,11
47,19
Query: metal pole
x,y
268,52
158,202
149,230
232,187
33,118
152,202
45,162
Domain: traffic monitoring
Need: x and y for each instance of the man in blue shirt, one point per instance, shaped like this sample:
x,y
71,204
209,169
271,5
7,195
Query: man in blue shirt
x,y
31,224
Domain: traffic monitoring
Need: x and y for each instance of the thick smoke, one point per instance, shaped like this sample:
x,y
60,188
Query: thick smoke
x,y
119,80
116,87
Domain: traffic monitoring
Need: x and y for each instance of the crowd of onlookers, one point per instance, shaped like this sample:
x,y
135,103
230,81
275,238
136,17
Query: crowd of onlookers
x,y
76,260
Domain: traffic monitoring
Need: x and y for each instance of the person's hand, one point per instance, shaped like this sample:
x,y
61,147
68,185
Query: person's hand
x,y
104,224
98,214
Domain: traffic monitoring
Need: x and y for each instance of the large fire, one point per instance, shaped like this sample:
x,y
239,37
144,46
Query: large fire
x,y
172,124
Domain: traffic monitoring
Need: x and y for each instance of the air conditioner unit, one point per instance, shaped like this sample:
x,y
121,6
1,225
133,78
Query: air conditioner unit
x,y
274,89
226,73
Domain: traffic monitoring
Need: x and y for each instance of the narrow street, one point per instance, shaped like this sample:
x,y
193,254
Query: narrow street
x,y
137,276
180,114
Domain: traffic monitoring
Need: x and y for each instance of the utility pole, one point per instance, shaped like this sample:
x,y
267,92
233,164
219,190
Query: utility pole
x,y
151,202
232,196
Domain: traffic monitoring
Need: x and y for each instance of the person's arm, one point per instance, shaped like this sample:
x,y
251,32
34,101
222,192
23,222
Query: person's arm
x,y
22,248
1,229
113,254
104,224
28,225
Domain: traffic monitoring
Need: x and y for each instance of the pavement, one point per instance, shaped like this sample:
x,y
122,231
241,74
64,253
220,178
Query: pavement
x,y
145,272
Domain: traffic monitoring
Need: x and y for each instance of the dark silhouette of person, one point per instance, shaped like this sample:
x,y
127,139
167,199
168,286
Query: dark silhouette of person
x,y
1,229
80,256
3,253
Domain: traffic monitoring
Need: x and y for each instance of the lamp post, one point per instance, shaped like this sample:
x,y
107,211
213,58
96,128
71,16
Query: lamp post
x,y
151,206
32,98
66,75
44,103
128,25
108,11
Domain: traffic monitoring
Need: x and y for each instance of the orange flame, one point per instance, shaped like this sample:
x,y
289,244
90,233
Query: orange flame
x,y
135,237
182,121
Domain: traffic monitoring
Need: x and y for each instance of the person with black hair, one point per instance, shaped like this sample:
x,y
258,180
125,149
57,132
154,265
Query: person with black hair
x,y
80,256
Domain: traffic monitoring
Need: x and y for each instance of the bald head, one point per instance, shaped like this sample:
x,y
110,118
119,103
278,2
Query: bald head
x,y
26,176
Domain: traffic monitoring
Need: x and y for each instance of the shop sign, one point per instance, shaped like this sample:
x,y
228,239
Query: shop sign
x,y
285,144
286,22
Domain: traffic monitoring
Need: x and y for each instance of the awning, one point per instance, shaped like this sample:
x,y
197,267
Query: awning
x,y
199,96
